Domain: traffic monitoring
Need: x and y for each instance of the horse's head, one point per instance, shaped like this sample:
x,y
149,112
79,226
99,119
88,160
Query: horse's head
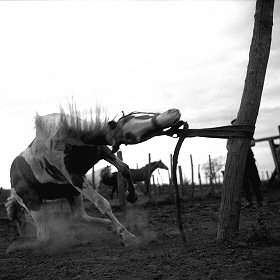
x,y
162,165
138,127
106,172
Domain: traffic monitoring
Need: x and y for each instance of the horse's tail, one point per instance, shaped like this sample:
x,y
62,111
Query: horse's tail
x,y
11,207
16,213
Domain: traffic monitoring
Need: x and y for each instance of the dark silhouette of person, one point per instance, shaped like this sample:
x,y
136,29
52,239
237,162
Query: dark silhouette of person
x,y
251,180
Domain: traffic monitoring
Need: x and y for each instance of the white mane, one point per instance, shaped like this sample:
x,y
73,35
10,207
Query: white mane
x,y
70,124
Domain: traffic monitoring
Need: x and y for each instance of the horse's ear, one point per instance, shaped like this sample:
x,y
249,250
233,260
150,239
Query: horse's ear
x,y
112,124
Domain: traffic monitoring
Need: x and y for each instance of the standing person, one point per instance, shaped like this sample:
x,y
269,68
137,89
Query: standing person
x,y
251,181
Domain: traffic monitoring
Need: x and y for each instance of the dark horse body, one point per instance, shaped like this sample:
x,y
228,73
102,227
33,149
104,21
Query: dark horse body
x,y
138,175
54,165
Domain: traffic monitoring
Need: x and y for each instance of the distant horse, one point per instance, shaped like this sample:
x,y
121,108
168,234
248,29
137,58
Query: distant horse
x,y
54,165
98,175
137,175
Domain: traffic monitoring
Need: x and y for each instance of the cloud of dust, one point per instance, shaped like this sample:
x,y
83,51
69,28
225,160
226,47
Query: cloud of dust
x,y
136,221
63,233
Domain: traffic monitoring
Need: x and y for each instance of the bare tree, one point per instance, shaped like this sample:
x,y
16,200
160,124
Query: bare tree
x,y
238,148
217,165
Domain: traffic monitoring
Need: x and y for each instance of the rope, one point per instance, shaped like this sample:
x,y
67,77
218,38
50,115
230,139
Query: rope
x,y
240,131
174,182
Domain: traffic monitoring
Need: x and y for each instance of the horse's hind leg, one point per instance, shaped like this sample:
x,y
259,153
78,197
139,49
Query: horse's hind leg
x,y
42,235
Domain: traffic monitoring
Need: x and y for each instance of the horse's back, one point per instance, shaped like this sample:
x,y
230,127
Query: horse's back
x,y
137,175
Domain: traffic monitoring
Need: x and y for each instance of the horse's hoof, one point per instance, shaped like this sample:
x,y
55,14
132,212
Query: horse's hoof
x,y
131,197
131,241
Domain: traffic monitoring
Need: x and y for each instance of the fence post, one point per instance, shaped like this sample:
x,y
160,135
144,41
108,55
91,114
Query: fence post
x,y
158,187
210,176
274,155
181,186
199,180
170,177
192,192
171,167
154,185
121,183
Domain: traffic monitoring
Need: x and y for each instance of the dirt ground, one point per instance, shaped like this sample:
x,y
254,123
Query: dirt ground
x,y
253,254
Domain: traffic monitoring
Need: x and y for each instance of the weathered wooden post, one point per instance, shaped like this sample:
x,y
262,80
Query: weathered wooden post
x,y
211,190
121,183
192,191
158,187
170,177
181,186
199,180
274,155
154,185
171,167
229,213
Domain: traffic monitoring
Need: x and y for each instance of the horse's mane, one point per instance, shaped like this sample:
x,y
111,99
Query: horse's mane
x,y
71,122
152,163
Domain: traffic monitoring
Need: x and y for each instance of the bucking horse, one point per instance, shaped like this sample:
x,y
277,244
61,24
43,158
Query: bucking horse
x,y
65,147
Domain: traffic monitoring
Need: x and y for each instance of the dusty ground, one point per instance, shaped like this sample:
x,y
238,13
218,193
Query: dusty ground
x,y
253,254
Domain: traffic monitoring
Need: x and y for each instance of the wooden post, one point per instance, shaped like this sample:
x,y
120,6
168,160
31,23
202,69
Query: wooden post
x,y
214,174
211,191
274,155
170,177
158,187
149,187
199,180
154,185
171,167
181,186
229,213
192,191
121,183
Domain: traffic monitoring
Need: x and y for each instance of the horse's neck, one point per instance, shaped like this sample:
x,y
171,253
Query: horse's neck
x,y
72,128
102,137
152,167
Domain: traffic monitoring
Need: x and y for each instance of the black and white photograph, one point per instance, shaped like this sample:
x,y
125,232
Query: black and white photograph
x,y
140,139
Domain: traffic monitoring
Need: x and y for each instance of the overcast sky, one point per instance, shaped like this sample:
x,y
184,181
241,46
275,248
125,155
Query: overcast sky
x,y
133,56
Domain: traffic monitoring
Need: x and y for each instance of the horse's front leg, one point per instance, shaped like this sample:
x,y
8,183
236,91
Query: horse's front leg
x,y
79,214
104,207
124,170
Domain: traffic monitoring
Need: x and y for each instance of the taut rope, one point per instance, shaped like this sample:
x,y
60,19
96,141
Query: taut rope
x,y
239,131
